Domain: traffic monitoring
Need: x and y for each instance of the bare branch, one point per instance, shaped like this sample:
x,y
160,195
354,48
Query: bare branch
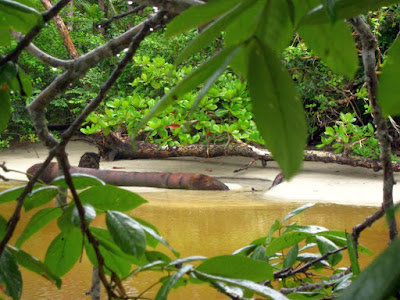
x,y
43,56
120,16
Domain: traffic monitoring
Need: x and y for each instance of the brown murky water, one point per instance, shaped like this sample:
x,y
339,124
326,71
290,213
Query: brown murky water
x,y
198,223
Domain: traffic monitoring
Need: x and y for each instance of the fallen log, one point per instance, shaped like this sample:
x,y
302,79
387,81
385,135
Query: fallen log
x,y
112,147
189,181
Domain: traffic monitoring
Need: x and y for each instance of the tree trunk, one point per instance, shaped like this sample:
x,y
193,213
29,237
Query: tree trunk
x,y
369,44
102,8
188,181
69,45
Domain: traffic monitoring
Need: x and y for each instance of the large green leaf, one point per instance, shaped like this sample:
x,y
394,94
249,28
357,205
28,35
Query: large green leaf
x,y
197,16
296,211
211,66
277,109
334,44
213,31
352,249
5,109
167,285
112,261
33,264
380,279
344,9
64,251
16,16
285,241
153,237
90,214
106,241
109,197
10,194
183,260
324,246
81,181
275,28
236,266
389,87
245,284
40,196
26,83
37,222
10,275
291,257
127,233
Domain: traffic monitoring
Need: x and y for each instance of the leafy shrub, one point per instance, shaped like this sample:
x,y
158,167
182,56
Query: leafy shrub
x,y
223,115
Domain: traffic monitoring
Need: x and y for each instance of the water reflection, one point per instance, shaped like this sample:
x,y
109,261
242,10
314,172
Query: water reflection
x,y
199,223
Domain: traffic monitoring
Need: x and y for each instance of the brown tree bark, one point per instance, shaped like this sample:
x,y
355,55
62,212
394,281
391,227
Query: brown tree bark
x,y
69,45
188,181
369,45
102,8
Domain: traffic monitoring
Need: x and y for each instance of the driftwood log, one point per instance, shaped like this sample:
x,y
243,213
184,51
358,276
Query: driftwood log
x,y
189,181
113,147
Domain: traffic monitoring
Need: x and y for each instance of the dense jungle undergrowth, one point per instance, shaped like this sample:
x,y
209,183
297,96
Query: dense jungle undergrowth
x,y
259,64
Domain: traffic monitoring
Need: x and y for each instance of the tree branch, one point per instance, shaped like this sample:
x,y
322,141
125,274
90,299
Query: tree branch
x,y
120,16
47,15
369,45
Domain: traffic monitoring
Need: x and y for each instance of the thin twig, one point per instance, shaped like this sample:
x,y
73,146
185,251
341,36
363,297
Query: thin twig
x,y
116,17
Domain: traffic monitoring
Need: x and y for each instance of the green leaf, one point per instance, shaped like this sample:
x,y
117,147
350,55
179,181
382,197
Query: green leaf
x,y
10,275
275,27
127,233
277,110
17,16
153,237
119,265
339,238
81,181
107,241
156,255
167,285
344,9
312,229
65,221
246,284
109,197
324,246
198,15
334,44
64,251
40,197
198,76
3,227
330,7
296,211
274,227
5,109
389,88
285,241
380,279
235,266
90,214
33,264
213,31
5,38
37,222
180,261
351,247
156,263
26,83
291,257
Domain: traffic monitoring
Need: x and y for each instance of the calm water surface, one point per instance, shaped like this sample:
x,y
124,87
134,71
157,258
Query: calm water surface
x,y
198,223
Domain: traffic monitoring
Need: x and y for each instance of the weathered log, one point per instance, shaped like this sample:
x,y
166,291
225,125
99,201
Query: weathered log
x,y
112,147
189,181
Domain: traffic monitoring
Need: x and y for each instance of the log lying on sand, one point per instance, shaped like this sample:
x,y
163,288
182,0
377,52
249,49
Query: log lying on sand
x,y
112,147
189,181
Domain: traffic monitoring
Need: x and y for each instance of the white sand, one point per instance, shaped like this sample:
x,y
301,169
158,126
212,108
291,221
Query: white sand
x,y
317,182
